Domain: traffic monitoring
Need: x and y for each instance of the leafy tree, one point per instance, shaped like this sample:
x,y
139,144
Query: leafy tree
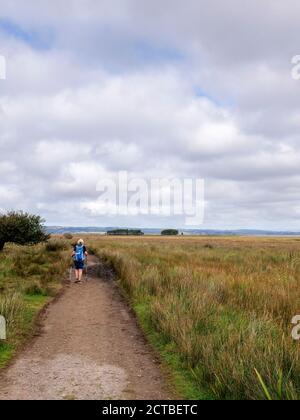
x,y
21,228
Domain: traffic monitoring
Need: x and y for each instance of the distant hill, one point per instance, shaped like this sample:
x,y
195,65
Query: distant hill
x,y
149,231
74,229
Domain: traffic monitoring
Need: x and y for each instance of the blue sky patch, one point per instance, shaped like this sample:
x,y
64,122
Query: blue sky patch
x,y
148,53
33,38
201,93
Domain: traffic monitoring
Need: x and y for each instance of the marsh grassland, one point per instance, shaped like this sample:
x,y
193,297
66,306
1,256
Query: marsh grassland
x,y
218,310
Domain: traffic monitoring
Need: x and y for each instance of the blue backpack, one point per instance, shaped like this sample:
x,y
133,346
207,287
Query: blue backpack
x,y
79,253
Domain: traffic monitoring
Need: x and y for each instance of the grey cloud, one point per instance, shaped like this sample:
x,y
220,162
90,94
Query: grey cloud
x,y
90,105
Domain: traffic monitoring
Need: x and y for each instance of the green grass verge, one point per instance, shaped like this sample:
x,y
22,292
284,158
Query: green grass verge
x,y
6,353
182,381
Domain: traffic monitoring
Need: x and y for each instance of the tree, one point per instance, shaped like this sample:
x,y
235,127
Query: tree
x,y
127,232
170,232
22,229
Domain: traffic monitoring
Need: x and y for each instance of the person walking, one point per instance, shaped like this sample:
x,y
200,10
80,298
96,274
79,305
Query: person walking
x,y
79,256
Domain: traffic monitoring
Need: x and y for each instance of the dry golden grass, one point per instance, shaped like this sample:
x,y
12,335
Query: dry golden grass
x,y
225,304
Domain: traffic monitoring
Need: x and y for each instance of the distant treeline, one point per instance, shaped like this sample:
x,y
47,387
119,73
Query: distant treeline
x,y
170,232
127,232
138,232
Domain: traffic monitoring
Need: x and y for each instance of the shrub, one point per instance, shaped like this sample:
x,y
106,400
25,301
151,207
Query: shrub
x,y
68,236
55,245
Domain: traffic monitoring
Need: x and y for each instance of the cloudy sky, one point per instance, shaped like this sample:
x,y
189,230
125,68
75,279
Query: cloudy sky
x,y
172,88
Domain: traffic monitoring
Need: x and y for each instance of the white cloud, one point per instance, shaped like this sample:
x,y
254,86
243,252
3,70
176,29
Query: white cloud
x,y
154,88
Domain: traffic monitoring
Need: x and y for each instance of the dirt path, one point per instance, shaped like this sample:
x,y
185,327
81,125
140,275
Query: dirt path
x,y
89,348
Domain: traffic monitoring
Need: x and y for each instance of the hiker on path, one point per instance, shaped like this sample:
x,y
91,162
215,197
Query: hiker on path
x,y
79,256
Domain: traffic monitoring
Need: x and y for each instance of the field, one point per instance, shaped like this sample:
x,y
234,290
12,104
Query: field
x,y
29,278
218,310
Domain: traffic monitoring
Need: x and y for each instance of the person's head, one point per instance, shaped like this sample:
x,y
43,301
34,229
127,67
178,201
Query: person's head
x,y
80,242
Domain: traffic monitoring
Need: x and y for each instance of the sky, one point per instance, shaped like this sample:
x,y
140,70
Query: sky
x,y
195,89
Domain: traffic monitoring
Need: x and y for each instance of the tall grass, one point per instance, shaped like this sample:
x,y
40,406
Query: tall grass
x,y
11,307
225,306
29,276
